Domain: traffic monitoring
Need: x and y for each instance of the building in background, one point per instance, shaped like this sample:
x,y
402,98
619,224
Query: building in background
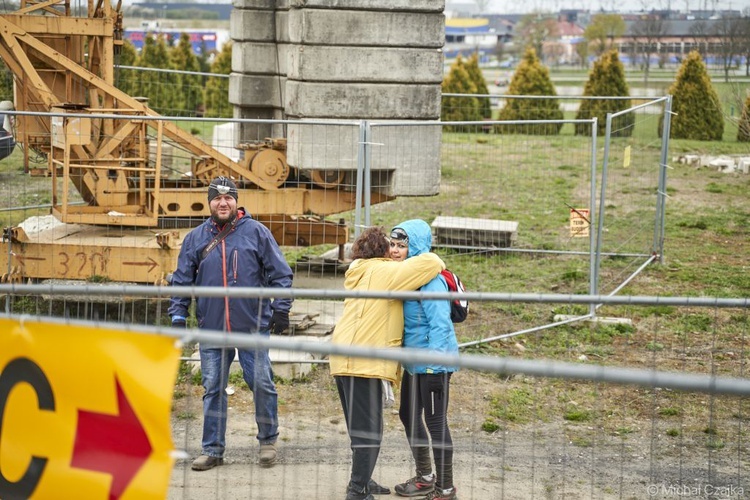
x,y
203,41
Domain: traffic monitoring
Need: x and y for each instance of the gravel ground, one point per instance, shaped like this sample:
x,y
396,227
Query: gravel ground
x,y
536,460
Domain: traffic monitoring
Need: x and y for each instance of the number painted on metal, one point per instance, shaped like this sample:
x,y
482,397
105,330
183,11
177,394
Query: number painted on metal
x,y
96,262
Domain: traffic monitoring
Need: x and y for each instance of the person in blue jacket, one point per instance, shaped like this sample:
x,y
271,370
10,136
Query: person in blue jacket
x,y
231,249
425,389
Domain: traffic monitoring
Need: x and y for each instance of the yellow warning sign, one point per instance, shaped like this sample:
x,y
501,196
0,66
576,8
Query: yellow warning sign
x,y
579,222
626,157
84,411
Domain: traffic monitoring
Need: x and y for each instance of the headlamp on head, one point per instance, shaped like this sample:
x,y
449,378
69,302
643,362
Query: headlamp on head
x,y
223,189
399,234
222,186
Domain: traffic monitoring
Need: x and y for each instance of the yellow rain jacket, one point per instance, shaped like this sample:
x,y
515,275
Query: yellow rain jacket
x,y
378,322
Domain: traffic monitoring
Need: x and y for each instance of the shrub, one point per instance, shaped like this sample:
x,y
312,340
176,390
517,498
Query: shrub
x,y
126,79
531,78
477,78
606,78
158,87
189,87
458,81
743,132
695,104
217,89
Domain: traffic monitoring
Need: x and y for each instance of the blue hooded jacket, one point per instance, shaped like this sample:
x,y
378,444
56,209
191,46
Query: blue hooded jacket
x,y
427,323
248,257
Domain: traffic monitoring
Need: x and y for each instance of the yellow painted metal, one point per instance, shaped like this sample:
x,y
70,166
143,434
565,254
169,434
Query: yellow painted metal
x,y
83,252
65,65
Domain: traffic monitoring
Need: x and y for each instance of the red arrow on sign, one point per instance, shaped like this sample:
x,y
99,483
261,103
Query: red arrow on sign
x,y
113,444
151,264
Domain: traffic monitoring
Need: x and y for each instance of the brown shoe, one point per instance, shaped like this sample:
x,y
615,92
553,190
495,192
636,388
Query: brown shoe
x,y
267,455
205,462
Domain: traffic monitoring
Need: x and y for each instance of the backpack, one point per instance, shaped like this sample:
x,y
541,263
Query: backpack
x,y
459,307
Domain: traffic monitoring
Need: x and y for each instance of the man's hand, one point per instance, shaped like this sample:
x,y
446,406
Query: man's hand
x,y
279,322
178,322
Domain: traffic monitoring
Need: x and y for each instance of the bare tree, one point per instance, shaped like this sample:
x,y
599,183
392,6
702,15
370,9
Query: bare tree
x,y
482,5
536,28
699,32
745,45
730,35
602,31
648,30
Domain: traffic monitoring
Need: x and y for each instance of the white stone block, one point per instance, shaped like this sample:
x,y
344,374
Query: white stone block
x,y
367,28
224,140
365,64
723,164
359,100
469,232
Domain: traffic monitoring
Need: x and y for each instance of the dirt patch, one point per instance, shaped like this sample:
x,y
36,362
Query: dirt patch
x,y
622,453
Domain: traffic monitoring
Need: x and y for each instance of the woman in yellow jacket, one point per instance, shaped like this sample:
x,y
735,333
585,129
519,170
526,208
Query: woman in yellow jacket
x,y
375,323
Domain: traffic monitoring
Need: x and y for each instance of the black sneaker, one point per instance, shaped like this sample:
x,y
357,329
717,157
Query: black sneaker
x,y
416,486
377,489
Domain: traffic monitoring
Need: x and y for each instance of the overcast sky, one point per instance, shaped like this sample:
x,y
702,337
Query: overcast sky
x,y
514,6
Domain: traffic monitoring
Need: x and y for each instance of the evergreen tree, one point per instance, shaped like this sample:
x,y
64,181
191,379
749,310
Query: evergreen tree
x,y
217,88
696,106
6,83
477,78
743,132
454,109
158,87
125,79
189,88
531,78
606,78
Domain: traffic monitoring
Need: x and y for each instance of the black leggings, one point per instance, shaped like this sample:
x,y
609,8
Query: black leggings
x,y
362,402
424,400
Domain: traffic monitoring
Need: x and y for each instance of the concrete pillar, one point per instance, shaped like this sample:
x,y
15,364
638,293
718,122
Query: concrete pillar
x,y
256,85
377,60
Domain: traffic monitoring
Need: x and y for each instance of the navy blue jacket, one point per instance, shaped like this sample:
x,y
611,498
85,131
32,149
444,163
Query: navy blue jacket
x,y
250,257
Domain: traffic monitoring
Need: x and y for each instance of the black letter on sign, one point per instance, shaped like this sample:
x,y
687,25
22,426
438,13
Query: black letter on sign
x,y
17,371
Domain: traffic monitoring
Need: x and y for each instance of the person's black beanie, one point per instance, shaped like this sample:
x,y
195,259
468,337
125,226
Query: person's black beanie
x,y
213,190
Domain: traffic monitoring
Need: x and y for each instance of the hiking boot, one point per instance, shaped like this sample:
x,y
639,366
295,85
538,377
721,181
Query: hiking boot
x,y
267,455
377,489
353,495
438,494
206,462
416,486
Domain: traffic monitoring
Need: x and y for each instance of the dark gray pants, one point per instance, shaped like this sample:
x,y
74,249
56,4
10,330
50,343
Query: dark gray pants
x,y
424,403
362,402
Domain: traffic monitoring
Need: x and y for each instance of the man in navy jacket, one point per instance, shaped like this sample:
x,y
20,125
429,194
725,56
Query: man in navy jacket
x,y
232,250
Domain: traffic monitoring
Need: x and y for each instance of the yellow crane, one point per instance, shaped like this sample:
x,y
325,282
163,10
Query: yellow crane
x,y
109,146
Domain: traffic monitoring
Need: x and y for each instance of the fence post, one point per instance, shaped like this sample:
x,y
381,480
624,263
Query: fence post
x,y
367,187
661,195
593,265
602,199
361,153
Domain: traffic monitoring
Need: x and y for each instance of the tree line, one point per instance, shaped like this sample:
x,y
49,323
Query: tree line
x,y
184,92
697,112
726,40
187,91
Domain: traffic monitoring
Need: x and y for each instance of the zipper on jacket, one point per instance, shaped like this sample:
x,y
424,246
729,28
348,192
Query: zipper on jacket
x,y
227,322
235,265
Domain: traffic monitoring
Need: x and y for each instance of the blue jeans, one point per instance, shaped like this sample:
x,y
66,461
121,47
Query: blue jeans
x,y
256,370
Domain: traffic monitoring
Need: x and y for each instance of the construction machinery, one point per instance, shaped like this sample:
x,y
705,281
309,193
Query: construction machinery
x,y
109,147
